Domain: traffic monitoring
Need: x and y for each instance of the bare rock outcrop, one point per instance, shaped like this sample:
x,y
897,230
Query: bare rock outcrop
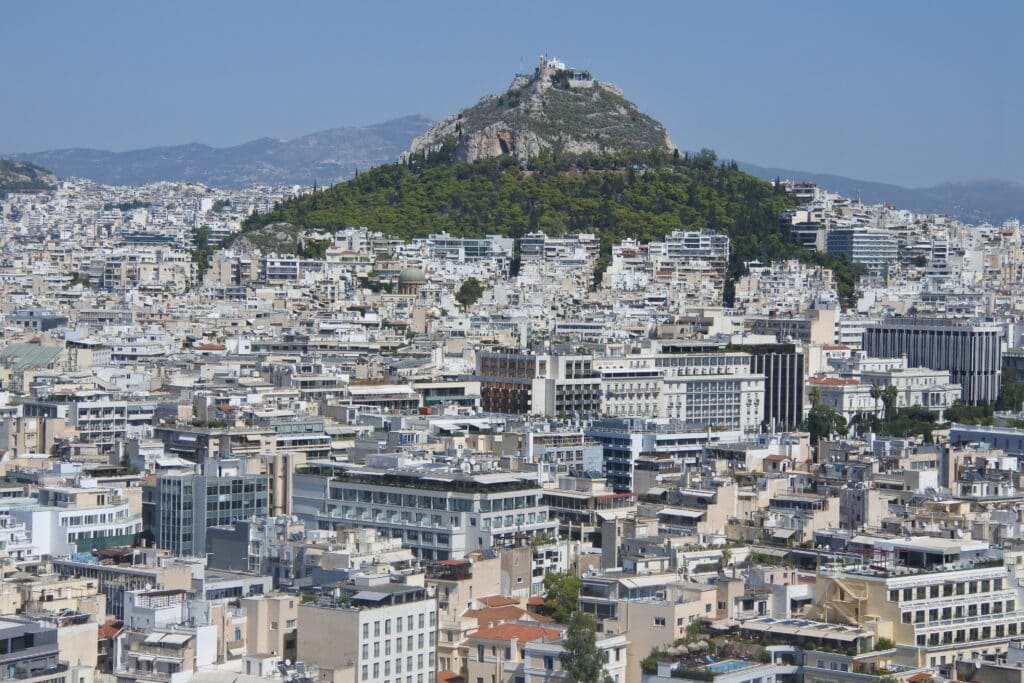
x,y
556,108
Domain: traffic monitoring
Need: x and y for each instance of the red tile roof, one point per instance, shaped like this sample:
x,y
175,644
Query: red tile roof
x,y
521,632
498,601
110,628
497,615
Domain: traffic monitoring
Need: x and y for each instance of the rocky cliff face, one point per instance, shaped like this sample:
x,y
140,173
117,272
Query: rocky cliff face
x,y
554,109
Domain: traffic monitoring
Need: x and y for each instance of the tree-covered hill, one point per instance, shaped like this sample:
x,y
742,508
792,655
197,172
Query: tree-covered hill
x,y
21,176
638,195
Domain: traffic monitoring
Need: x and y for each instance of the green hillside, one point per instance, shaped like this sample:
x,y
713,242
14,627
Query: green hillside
x,y
639,195
21,176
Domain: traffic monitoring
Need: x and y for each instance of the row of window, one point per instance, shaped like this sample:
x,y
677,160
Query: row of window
x,y
410,621
440,503
958,612
968,635
946,590
398,670
409,644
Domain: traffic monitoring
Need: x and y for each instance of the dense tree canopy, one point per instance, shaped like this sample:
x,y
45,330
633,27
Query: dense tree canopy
x,y
1011,393
638,195
823,421
469,292
562,594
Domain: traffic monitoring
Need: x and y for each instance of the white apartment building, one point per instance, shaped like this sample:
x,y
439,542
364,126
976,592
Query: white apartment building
x,y
713,389
876,249
67,519
441,513
702,387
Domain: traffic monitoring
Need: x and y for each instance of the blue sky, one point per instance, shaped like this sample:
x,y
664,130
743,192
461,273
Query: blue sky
x,y
910,92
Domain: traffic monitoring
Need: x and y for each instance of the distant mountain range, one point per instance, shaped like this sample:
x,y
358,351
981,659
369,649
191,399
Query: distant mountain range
x,y
326,157
973,201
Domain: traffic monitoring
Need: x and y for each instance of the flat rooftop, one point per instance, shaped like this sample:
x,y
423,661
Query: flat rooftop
x,y
805,628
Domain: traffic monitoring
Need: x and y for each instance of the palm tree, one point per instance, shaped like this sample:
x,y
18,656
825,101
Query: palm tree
x,y
889,394
814,396
876,393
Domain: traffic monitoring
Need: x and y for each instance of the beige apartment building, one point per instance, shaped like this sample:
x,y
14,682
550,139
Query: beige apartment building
x,y
380,632
938,599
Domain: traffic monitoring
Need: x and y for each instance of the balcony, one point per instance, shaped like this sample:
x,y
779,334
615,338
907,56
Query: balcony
x,y
143,675
21,674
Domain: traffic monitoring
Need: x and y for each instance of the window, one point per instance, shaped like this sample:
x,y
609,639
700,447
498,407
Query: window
x,y
659,621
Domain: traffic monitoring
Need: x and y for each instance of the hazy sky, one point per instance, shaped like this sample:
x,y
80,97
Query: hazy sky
x,y
911,92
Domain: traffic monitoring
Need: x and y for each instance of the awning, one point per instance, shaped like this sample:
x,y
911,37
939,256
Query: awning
x,y
723,624
236,651
783,533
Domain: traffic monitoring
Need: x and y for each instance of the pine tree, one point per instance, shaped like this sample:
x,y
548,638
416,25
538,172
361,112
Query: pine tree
x,y
581,660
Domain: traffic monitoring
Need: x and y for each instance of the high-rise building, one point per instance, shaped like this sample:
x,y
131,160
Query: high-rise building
x,y
783,368
971,352
186,504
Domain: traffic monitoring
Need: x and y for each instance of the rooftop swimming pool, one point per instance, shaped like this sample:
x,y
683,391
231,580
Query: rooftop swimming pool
x,y
727,665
